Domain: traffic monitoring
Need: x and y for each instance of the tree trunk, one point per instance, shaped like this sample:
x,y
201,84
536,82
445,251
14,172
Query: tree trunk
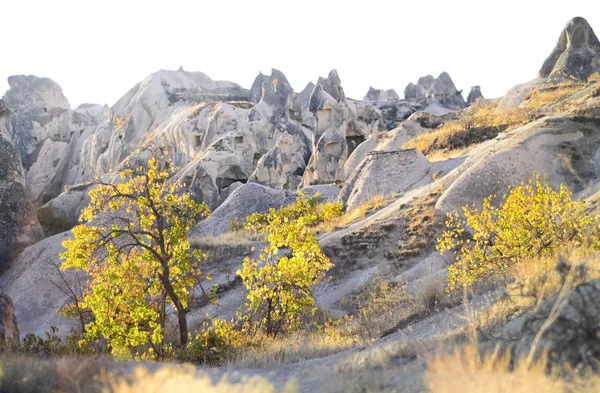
x,y
181,311
183,327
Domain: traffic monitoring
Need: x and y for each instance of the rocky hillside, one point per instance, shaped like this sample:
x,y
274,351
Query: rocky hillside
x,y
244,151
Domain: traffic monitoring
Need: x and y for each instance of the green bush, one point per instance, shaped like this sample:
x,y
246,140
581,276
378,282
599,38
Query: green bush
x,y
533,221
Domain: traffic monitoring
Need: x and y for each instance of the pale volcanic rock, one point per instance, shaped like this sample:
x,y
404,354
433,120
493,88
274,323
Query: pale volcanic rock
x,y
576,55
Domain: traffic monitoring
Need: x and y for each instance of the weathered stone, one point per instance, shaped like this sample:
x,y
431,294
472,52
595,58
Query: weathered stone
x,y
576,55
573,335
436,94
36,288
383,173
245,200
339,121
18,223
474,95
9,329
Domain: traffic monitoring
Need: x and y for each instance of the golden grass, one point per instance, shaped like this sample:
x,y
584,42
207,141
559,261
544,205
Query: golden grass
x,y
25,374
361,211
474,125
292,348
185,380
21,374
234,238
467,371
481,121
551,94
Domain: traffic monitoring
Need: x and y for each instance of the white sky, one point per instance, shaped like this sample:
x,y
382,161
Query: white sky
x,y
98,50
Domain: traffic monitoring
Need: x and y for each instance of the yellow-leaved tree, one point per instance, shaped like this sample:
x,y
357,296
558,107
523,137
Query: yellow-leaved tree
x,y
280,281
134,247
534,220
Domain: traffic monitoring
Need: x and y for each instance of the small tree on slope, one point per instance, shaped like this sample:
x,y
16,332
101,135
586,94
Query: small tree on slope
x,y
136,252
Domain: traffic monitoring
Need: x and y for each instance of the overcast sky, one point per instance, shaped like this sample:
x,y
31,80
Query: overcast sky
x,y
98,50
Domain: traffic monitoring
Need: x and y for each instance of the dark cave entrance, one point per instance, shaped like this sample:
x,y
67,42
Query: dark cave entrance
x,y
353,142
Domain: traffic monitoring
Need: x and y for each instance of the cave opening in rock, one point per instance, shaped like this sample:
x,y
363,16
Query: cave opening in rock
x,y
257,156
224,182
198,140
353,142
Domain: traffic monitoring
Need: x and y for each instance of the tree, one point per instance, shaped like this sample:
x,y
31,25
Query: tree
x,y
533,221
280,286
134,247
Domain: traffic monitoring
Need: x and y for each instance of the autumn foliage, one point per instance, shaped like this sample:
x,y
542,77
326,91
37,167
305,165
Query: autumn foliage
x,y
135,250
534,220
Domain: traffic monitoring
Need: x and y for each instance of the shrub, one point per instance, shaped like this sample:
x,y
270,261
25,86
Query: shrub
x,y
310,209
280,284
533,221
52,224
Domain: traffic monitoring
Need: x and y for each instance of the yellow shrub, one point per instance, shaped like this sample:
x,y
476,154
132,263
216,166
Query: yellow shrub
x,y
534,220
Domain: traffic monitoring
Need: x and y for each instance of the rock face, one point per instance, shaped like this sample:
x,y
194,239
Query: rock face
x,y
9,329
18,222
393,109
383,173
573,337
435,93
381,95
267,143
341,125
474,95
31,283
560,148
245,200
48,135
576,55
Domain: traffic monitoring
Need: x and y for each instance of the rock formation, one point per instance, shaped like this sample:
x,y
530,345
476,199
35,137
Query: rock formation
x,y
438,95
37,267
18,222
374,95
383,173
341,125
576,55
245,200
48,135
9,329
393,109
474,95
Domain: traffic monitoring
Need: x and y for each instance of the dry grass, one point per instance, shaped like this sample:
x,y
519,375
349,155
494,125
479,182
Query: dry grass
x,y
444,155
551,94
295,347
431,296
20,374
481,121
361,211
231,239
474,125
25,374
467,371
421,229
185,380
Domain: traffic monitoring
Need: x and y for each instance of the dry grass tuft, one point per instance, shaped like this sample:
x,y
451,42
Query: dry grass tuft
x,y
468,371
474,125
481,121
185,380
25,374
431,296
232,239
551,94
365,209
292,348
